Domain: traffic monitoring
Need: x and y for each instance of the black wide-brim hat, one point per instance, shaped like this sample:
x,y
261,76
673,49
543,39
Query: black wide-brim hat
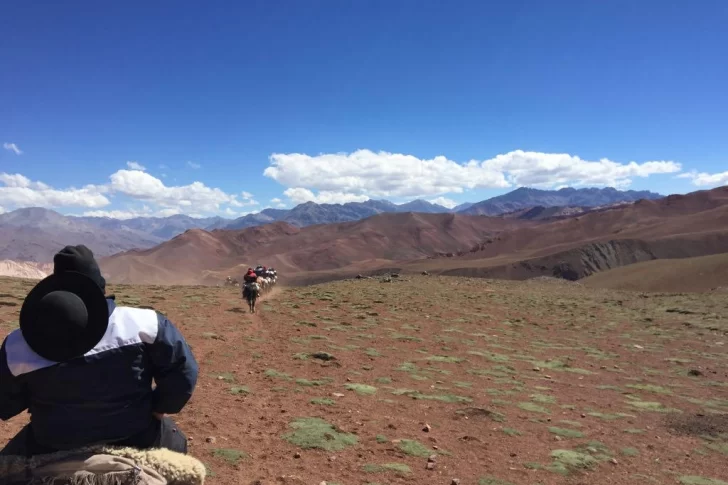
x,y
64,316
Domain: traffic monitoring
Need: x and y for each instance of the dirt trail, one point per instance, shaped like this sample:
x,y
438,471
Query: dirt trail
x,y
255,320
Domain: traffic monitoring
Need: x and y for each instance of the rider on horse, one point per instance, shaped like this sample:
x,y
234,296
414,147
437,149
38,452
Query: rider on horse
x,y
83,367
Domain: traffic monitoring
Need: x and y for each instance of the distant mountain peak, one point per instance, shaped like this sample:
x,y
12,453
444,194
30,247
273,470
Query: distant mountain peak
x,y
525,197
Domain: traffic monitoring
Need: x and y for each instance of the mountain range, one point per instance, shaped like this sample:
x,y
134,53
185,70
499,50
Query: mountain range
x,y
35,234
569,246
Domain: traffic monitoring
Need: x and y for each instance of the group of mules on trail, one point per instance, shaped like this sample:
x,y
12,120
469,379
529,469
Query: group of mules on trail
x,y
256,282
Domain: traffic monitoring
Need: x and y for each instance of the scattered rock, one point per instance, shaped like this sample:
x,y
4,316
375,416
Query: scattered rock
x,y
432,459
325,356
211,439
638,346
430,466
297,456
614,461
427,428
557,438
695,373
338,394
537,369
322,483
455,481
425,273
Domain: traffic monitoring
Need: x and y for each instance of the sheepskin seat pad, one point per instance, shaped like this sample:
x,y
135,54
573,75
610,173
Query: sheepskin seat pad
x,y
103,466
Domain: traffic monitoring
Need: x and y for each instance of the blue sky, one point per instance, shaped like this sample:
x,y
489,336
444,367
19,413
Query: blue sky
x,y
333,101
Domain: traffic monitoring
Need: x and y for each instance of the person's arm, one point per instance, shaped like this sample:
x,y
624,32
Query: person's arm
x,y
13,394
174,368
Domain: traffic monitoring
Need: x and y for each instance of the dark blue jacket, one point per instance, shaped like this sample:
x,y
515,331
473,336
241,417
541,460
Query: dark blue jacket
x,y
107,394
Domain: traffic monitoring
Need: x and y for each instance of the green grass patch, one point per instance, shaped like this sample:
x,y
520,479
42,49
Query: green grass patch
x,y
534,408
630,451
372,352
633,431
240,390
698,480
568,461
362,389
323,401
274,374
610,416
226,376
565,432
407,367
650,388
414,448
493,357
382,439
511,432
445,359
316,433
568,422
543,399
230,455
560,366
653,406
315,382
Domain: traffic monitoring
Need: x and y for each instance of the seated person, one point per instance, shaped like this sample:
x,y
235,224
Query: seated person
x,y
83,367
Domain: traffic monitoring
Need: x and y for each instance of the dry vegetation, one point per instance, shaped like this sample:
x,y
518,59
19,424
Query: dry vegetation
x,y
494,382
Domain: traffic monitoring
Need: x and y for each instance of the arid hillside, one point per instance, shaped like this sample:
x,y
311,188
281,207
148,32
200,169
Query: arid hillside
x,y
678,226
206,257
25,269
705,273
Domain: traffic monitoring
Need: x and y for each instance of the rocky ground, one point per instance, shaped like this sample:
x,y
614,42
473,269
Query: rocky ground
x,y
448,380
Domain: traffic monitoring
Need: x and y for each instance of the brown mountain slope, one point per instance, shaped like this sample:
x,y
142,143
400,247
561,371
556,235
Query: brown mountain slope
x,y
699,274
674,227
205,257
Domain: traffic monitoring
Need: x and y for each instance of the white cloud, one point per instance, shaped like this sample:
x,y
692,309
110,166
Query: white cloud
x,y
143,186
136,166
248,199
537,169
278,203
2,210
299,195
444,201
704,179
13,148
20,191
363,173
193,165
146,211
